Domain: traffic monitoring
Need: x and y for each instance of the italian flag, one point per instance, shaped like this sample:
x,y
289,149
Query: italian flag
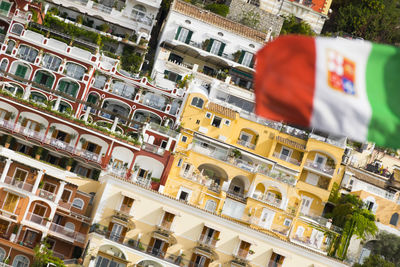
x,y
339,86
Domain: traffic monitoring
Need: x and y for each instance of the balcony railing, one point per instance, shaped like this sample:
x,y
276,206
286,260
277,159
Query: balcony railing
x,y
163,130
319,167
286,158
242,254
153,149
276,202
19,184
58,144
102,8
36,219
234,194
280,176
207,241
153,104
165,225
67,233
46,194
246,144
125,209
216,153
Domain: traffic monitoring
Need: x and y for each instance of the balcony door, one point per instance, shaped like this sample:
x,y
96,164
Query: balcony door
x,y
116,232
20,175
10,203
285,154
305,205
267,217
39,210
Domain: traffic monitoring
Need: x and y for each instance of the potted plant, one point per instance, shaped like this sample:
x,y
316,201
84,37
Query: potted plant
x,y
69,163
236,153
14,233
9,140
38,153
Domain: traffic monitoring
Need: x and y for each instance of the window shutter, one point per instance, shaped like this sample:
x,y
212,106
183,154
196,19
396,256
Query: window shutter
x,y
5,6
97,150
37,127
21,71
54,134
61,86
221,49
241,57
67,138
252,62
189,36
38,77
74,89
210,43
49,81
85,145
91,99
7,116
178,32
24,122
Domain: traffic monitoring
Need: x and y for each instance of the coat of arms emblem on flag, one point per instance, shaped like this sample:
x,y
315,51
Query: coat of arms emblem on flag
x,y
341,73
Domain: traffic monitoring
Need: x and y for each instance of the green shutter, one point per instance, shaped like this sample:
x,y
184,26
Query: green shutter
x,y
38,77
179,77
5,6
21,71
49,81
92,99
178,32
252,62
221,49
189,36
74,90
241,57
61,86
210,43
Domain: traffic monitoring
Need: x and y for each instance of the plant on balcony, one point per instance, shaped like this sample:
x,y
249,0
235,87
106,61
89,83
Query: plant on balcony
x,y
155,180
43,256
131,242
143,42
79,19
184,83
205,44
237,55
222,74
236,153
251,252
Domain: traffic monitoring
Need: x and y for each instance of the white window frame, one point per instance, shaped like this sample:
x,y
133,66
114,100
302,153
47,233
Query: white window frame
x,y
11,5
321,156
180,161
247,58
227,122
184,137
183,34
186,190
56,187
250,136
15,262
15,172
78,207
307,210
212,120
70,195
215,47
287,222
290,152
4,202
208,115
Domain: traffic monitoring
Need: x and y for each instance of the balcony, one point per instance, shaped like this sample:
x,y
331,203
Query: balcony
x,y
122,214
153,104
246,144
207,241
315,218
203,180
165,226
164,130
36,219
319,167
236,195
216,153
13,216
46,194
66,233
275,202
57,144
280,176
102,8
153,149
287,159
18,184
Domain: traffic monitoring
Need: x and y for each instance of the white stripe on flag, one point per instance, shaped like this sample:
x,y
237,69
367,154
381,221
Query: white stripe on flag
x,y
336,111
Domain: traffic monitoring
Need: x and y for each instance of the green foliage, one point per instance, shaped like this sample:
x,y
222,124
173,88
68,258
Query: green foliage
x,y
130,60
334,195
251,19
388,246
350,214
219,9
375,261
184,83
44,255
292,25
374,20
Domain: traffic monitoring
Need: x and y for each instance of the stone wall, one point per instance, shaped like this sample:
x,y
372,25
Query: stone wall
x,y
241,11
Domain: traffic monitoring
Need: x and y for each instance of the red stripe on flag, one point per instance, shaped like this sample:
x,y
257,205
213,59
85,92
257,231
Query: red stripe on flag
x,y
285,80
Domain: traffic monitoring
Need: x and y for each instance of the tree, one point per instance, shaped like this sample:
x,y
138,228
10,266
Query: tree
x,y
374,20
351,215
374,261
44,255
219,9
292,25
388,246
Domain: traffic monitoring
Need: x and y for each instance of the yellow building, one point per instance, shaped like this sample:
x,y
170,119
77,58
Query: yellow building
x,y
271,177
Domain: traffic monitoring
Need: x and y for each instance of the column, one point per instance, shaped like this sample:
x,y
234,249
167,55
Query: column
x,y
27,92
5,171
169,144
57,104
59,192
37,181
86,116
251,189
114,126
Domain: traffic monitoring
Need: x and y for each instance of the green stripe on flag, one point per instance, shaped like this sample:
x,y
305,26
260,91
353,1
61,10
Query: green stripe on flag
x,y
383,89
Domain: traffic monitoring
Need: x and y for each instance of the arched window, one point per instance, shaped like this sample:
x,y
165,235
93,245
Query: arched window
x,y
211,205
10,47
78,203
68,87
27,53
100,81
51,62
44,78
37,97
197,102
70,226
300,231
20,261
17,29
139,14
394,219
75,71
3,65
2,254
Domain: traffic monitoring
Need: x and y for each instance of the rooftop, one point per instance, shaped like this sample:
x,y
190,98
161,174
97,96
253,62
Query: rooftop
x,y
219,21
227,112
